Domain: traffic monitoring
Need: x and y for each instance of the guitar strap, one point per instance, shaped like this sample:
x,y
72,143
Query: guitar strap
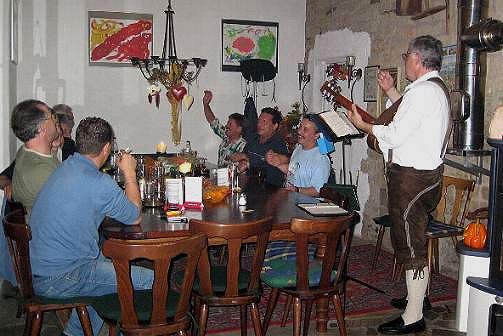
x,y
439,82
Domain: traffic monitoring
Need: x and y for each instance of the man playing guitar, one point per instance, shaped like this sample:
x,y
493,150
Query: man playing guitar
x,y
413,144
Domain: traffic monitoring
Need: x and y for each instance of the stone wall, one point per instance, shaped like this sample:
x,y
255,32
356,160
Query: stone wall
x,y
390,35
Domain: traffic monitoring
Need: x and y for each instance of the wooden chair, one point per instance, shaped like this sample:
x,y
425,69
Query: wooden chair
x,y
18,235
344,195
159,311
309,280
447,221
230,284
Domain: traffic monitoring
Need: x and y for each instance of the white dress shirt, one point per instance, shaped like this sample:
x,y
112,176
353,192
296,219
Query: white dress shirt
x,y
418,129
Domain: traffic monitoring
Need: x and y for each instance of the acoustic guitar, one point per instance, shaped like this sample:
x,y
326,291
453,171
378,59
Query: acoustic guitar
x,y
331,93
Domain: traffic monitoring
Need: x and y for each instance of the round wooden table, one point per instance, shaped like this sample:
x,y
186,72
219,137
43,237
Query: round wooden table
x,y
262,201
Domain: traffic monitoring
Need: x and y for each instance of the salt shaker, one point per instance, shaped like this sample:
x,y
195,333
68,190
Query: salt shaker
x,y
242,199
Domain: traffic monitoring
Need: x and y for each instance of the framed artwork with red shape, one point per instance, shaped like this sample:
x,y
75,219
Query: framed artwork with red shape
x,y
116,37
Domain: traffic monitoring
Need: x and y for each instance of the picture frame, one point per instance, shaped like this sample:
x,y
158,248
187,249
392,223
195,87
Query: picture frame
x,y
115,37
370,87
243,39
13,23
381,101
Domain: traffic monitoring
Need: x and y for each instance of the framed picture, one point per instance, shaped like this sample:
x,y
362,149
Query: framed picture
x,y
248,39
382,98
115,37
370,83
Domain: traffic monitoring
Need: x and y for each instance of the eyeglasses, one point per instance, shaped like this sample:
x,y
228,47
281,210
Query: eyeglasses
x,y
405,55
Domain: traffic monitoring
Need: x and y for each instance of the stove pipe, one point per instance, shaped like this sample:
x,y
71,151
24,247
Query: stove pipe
x,y
476,33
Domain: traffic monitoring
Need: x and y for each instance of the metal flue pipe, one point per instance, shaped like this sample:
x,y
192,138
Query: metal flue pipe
x,y
476,34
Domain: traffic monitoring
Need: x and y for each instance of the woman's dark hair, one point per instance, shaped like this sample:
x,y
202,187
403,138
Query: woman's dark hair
x,y
92,134
275,113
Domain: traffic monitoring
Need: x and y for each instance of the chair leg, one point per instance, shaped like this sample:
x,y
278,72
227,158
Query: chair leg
x,y
396,273
19,312
430,264
63,316
286,310
112,329
436,256
203,319
244,319
28,324
36,325
377,249
85,322
339,314
307,316
273,299
255,314
297,312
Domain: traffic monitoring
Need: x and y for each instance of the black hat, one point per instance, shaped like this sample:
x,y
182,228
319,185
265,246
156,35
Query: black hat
x,y
257,70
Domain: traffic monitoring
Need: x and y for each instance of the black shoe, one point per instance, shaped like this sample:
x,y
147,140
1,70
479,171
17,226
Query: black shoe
x,y
398,327
401,303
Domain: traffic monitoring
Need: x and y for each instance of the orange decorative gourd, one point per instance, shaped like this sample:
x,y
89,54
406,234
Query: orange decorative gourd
x,y
475,235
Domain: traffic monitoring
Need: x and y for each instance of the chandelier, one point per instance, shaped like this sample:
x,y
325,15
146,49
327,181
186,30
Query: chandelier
x,y
172,73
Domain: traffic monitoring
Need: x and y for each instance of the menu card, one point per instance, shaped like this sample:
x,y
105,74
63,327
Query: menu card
x,y
194,189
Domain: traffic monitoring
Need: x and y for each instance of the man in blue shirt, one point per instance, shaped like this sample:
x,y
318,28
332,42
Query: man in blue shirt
x,y
65,254
259,141
307,170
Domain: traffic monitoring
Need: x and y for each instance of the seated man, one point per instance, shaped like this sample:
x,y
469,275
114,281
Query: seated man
x,y
308,169
34,124
232,141
66,258
66,120
258,143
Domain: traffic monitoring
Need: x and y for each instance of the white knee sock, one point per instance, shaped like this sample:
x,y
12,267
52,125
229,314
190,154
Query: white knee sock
x,y
416,289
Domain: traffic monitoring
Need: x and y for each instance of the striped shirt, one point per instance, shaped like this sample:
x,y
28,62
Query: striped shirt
x,y
226,148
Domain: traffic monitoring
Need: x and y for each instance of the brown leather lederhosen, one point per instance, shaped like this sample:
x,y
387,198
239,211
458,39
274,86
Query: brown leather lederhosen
x,y
412,195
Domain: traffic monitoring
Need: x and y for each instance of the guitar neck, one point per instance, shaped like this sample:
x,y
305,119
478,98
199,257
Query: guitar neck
x,y
346,103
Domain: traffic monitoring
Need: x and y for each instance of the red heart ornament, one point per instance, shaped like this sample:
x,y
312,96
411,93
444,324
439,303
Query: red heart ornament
x,y
178,92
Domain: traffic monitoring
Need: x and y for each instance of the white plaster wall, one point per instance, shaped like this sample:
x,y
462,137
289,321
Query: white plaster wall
x,y
54,66
332,47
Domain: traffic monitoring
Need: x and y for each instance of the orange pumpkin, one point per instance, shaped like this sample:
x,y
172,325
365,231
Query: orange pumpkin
x,y
475,235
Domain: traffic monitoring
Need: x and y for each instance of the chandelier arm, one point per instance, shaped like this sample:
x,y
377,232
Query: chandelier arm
x,y
166,32
172,41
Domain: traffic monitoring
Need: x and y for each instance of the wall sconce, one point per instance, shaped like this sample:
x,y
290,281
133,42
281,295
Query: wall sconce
x,y
353,74
303,77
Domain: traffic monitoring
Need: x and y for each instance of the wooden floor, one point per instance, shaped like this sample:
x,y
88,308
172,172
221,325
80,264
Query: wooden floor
x,y
440,322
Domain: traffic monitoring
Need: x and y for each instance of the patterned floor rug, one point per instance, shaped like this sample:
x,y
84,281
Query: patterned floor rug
x,y
360,300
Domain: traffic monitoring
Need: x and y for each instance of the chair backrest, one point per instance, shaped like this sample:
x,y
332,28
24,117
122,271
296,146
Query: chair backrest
x,y
454,201
18,236
233,235
161,253
335,235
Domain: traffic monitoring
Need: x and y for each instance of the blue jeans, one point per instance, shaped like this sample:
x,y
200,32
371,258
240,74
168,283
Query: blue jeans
x,y
92,279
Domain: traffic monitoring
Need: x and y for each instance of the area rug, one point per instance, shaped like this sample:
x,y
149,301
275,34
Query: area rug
x,y
360,300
